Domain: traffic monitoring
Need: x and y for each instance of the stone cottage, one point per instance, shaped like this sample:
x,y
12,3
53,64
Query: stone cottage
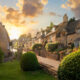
x,y
65,32
4,40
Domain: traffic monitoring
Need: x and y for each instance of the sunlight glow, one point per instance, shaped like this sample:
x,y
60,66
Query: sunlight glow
x,y
15,32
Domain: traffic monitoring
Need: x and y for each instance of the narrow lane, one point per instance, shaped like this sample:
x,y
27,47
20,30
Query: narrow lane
x,y
50,62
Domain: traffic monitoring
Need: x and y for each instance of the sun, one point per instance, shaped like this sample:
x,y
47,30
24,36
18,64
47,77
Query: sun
x,y
13,31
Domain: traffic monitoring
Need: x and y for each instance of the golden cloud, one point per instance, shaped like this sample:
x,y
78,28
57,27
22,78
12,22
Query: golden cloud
x,y
74,5
14,17
27,8
44,2
33,22
31,8
63,6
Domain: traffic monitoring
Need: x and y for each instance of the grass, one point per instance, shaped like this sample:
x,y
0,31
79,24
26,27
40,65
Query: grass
x,y
12,71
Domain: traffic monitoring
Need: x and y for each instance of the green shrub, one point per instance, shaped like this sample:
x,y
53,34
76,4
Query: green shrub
x,y
59,49
51,47
29,62
1,56
37,46
69,68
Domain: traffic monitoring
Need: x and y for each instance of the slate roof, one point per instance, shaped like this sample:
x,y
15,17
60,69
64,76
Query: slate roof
x,y
71,28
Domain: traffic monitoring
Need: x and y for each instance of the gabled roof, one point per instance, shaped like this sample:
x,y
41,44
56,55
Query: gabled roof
x,y
61,27
71,28
49,34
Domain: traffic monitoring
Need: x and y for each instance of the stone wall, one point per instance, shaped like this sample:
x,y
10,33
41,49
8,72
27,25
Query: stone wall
x,y
53,56
73,37
4,40
42,52
69,38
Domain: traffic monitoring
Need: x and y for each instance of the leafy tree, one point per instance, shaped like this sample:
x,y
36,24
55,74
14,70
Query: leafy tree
x,y
51,25
71,20
49,28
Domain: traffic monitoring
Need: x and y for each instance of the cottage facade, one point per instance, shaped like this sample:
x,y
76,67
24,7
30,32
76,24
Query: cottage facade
x,y
4,40
65,33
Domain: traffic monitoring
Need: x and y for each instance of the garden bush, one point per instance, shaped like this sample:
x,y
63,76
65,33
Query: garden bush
x,y
29,62
51,47
1,55
69,68
37,46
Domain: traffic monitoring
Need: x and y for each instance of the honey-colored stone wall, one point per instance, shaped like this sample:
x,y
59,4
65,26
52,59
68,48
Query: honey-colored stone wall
x,y
69,38
73,37
4,39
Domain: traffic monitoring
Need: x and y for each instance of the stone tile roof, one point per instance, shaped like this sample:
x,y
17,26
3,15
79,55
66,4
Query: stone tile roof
x,y
71,28
61,27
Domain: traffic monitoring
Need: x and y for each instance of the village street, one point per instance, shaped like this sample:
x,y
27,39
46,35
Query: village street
x,y
50,63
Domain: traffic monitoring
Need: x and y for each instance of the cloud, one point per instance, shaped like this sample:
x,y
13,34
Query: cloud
x,y
14,17
54,14
33,22
26,8
74,5
31,8
63,6
44,2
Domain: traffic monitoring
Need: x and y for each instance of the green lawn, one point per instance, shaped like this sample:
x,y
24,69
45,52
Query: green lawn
x,y
12,71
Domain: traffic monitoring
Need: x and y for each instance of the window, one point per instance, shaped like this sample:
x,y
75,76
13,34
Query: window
x,y
78,31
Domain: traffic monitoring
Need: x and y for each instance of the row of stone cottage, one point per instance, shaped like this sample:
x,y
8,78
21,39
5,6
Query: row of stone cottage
x,y
64,33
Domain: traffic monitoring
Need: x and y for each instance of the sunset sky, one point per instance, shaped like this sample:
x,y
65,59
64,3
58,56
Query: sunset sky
x,y
24,16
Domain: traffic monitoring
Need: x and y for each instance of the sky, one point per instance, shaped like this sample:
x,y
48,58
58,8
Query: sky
x,y
29,16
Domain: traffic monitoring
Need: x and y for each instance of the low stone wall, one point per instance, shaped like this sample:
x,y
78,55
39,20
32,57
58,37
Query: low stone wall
x,y
53,56
41,53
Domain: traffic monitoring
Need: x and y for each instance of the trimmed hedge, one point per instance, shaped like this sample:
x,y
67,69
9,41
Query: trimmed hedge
x,y
69,68
29,62
37,46
51,47
1,55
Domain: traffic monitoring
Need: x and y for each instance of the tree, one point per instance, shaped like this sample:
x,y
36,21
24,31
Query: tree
x,y
71,20
51,25
49,28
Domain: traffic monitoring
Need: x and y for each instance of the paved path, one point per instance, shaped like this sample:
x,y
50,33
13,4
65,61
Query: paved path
x,y
52,64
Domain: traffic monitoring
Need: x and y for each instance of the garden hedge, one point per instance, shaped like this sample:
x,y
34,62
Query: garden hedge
x,y
37,46
69,68
51,47
29,62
